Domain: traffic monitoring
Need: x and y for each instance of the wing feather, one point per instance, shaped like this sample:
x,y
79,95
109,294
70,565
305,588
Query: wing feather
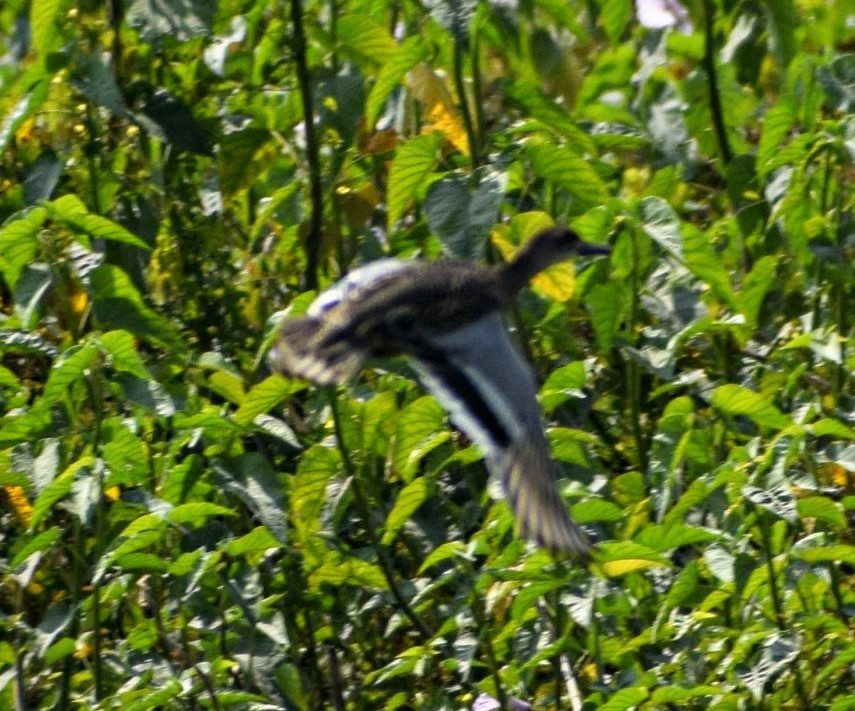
x,y
489,392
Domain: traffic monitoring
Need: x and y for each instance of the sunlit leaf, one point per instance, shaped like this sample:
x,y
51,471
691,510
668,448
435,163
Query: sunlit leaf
x,y
124,357
350,571
735,400
365,39
413,161
70,211
822,509
264,396
440,111
394,68
420,429
624,557
406,503
568,171
625,699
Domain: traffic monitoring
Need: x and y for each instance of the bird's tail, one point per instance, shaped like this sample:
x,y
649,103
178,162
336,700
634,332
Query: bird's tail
x,y
527,472
304,348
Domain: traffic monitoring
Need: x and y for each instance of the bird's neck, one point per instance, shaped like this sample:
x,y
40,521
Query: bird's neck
x,y
528,262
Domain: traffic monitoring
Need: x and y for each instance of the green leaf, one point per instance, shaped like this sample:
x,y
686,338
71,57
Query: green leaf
x,y
265,396
822,509
444,552
607,305
58,489
777,123
735,400
684,586
530,596
250,152
122,349
19,243
592,510
625,699
258,540
755,286
254,480
394,68
554,116
30,425
614,16
406,503
568,446
665,538
68,370
838,553
25,107
568,171
365,39
413,162
830,427
308,489
197,513
671,695
59,650
623,557
703,262
462,218
783,27
117,303
421,428
562,384
70,211
661,223
96,80
350,571
124,454
44,21
141,533
39,544
209,419
142,563
227,386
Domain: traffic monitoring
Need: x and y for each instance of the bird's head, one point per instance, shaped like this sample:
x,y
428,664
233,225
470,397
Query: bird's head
x,y
551,245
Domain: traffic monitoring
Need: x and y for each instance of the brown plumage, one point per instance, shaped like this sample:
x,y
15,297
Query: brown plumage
x,y
446,316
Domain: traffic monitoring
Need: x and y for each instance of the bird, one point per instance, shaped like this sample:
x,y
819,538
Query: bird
x,y
445,316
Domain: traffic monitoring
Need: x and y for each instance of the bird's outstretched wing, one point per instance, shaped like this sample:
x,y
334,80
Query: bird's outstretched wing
x,y
304,350
479,378
316,347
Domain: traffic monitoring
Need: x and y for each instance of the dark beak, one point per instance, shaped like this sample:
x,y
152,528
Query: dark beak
x,y
587,249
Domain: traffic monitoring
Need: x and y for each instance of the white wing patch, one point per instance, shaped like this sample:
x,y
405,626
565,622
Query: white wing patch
x,y
348,287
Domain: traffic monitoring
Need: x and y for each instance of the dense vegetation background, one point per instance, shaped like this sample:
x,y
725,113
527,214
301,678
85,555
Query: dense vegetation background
x,y
184,531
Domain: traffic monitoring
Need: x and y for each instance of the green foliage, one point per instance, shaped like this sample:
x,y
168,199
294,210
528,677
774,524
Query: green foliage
x,y
183,530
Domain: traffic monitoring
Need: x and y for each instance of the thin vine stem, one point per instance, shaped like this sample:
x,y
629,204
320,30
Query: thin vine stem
x,y
712,75
304,79
365,512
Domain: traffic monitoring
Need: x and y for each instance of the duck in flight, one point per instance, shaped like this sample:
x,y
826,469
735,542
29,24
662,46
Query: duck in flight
x,y
446,317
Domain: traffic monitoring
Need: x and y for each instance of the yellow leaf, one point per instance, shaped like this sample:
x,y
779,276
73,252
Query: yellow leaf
x,y
20,504
79,300
558,282
615,568
832,474
441,113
